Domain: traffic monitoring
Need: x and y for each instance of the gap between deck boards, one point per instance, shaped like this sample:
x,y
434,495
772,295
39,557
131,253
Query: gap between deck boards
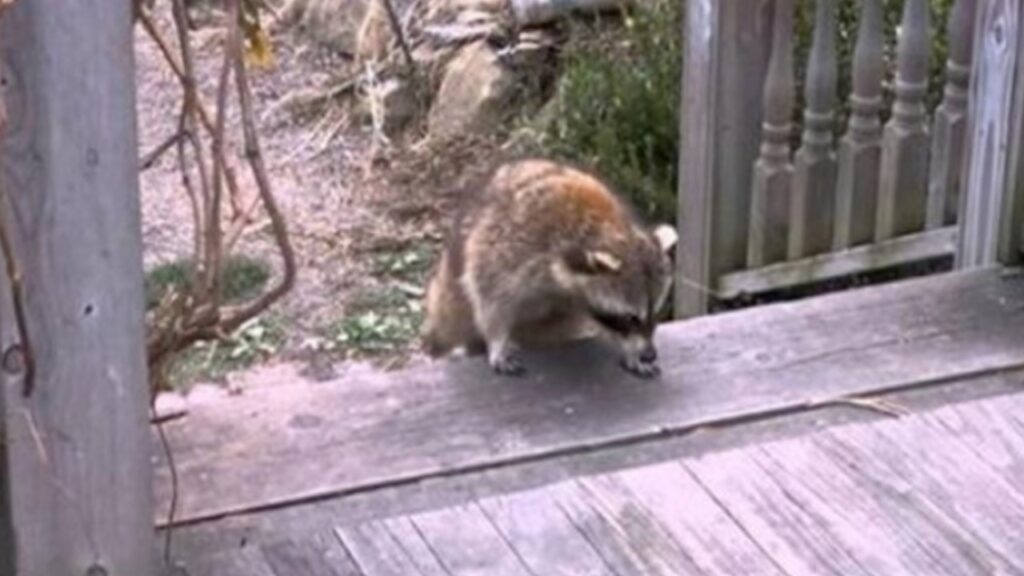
x,y
284,445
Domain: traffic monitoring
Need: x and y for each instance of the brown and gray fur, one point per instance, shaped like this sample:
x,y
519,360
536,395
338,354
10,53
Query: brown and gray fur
x,y
546,253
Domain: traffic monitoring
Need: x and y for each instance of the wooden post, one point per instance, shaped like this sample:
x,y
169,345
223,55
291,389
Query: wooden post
x,y
773,171
951,120
77,467
992,195
904,179
860,150
725,54
814,180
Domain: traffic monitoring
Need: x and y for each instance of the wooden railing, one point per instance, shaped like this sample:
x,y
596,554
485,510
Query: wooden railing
x,y
755,215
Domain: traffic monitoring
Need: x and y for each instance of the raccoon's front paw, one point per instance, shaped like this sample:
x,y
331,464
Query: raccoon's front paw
x,y
509,365
640,368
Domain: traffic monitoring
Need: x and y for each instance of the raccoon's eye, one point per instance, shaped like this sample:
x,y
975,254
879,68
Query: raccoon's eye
x,y
621,323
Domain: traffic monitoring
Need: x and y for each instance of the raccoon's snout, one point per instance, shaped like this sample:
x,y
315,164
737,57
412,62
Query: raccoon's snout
x,y
648,353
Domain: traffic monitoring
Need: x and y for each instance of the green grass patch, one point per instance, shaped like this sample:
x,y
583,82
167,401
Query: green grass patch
x,y
243,278
380,321
254,341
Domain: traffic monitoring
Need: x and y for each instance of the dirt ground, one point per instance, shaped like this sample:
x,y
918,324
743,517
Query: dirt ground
x,y
364,234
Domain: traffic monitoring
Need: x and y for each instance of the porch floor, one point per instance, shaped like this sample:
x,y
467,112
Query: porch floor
x,y
874,431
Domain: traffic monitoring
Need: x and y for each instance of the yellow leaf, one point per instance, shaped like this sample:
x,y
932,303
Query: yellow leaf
x,y
259,51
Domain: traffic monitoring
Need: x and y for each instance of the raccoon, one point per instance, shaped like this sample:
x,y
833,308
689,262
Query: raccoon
x,y
547,253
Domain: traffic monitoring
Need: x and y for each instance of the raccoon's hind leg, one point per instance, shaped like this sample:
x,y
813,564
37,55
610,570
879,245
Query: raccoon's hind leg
x,y
502,351
495,325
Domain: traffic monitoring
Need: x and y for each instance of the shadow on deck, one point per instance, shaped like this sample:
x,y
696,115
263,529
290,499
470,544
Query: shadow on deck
x,y
733,462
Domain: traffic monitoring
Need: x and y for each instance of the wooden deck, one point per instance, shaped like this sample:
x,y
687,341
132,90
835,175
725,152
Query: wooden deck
x,y
754,454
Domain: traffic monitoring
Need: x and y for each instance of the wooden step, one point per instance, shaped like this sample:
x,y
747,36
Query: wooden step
x,y
280,445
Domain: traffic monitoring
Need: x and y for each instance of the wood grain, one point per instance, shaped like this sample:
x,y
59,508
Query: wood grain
x,y
944,482
708,534
318,555
625,534
315,440
391,547
992,197
467,543
930,493
543,536
78,455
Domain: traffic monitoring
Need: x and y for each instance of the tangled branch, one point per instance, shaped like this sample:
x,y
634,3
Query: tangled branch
x,y
209,179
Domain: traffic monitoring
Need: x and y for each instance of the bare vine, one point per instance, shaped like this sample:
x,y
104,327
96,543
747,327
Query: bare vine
x,y
209,179
26,355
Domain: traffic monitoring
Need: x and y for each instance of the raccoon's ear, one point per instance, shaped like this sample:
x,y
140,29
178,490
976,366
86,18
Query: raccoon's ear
x,y
666,236
592,261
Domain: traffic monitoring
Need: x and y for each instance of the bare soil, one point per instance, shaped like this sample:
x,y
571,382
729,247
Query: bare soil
x,y
365,229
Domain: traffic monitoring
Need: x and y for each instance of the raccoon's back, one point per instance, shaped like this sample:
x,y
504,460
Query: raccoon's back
x,y
535,206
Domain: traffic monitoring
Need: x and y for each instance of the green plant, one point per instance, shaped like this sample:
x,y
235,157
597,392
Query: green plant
x,y
410,264
254,340
380,320
616,106
243,277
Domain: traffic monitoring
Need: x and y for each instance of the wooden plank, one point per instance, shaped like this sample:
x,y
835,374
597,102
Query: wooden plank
x,y
318,555
694,266
860,149
992,197
943,481
725,57
699,525
467,543
949,126
248,561
771,190
879,530
989,429
391,547
78,462
902,250
458,417
798,539
543,536
903,181
812,206
324,515
625,534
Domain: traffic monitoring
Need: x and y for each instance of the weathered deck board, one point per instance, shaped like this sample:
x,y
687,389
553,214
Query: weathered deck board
x,y
883,533
390,547
906,496
625,534
996,436
930,493
247,561
799,538
946,482
699,525
546,539
465,542
315,556
335,438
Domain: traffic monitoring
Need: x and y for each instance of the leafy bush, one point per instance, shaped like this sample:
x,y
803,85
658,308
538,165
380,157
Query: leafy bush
x,y
616,104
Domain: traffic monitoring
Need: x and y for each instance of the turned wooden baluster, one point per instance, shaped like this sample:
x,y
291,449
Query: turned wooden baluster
x,y
860,149
814,177
773,170
950,123
903,189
